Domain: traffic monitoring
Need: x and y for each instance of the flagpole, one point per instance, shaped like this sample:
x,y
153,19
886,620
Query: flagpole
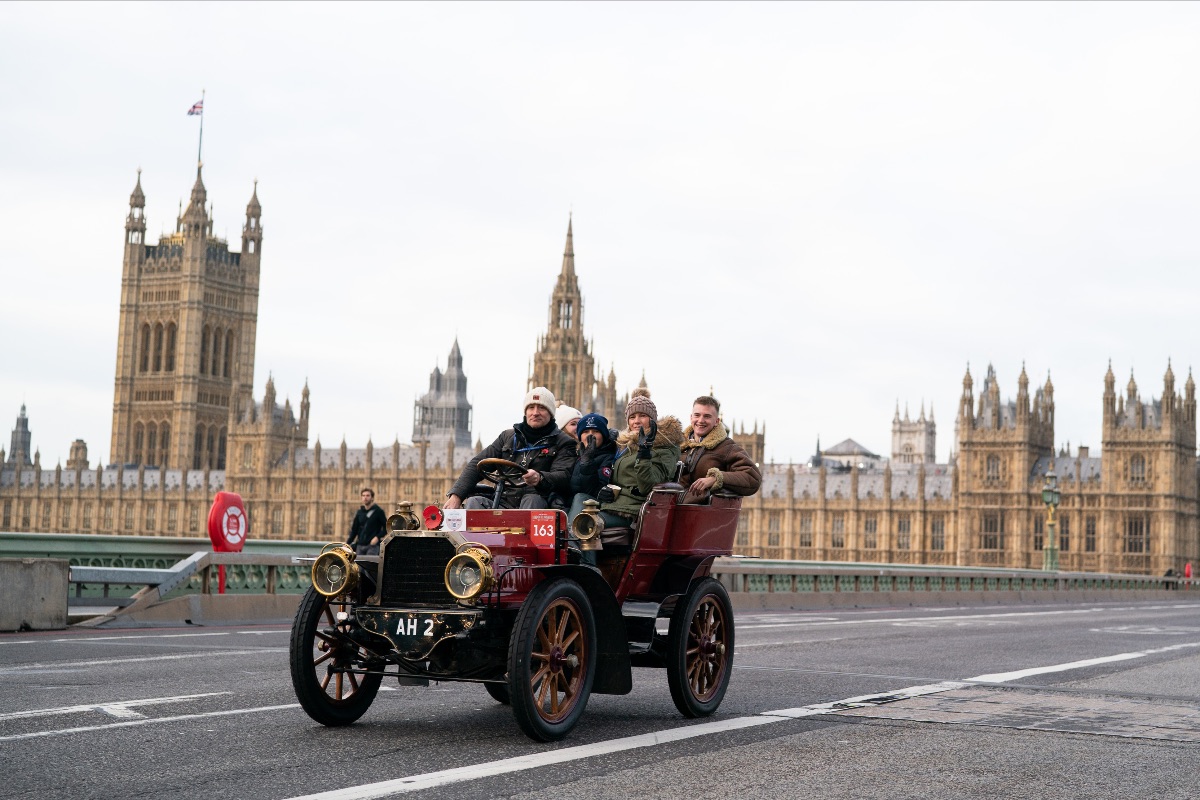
x,y
200,147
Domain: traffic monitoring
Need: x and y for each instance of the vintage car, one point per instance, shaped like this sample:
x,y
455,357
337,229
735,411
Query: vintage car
x,y
508,603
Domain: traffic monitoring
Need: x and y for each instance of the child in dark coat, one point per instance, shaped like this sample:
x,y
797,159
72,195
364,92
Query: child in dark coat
x,y
593,470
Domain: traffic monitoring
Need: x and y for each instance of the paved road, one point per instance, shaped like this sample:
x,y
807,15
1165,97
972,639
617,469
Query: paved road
x,y
1033,701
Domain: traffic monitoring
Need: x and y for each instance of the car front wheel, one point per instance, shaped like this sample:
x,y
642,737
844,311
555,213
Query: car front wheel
x,y
551,659
322,657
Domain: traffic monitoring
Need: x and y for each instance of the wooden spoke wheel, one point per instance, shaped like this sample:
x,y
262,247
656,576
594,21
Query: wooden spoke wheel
x,y
551,659
322,656
700,649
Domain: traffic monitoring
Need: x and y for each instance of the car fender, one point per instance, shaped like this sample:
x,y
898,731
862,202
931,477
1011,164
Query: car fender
x,y
614,674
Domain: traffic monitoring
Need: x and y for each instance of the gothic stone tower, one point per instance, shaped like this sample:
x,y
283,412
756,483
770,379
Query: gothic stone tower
x,y
999,443
563,361
443,414
914,441
185,346
1149,473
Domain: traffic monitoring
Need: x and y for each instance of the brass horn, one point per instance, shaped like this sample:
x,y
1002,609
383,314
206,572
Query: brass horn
x,y
587,526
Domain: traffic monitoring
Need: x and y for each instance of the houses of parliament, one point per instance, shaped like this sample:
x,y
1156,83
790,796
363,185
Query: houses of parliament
x,y
186,424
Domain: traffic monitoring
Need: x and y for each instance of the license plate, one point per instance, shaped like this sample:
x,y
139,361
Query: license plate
x,y
414,634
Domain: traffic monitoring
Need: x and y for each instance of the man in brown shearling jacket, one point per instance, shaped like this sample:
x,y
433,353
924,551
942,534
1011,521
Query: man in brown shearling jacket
x,y
712,460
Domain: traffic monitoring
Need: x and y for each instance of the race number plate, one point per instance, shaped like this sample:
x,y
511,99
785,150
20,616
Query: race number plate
x,y
541,528
414,633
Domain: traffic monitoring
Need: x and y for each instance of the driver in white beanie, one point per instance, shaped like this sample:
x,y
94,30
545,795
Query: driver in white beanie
x,y
538,446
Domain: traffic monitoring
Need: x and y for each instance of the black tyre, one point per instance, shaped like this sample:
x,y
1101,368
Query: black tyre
x,y
552,659
499,692
319,658
700,649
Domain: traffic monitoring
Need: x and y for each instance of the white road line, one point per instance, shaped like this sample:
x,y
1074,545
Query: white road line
x,y
740,647
70,665
84,639
1005,677
108,707
534,760
952,617
136,722
431,780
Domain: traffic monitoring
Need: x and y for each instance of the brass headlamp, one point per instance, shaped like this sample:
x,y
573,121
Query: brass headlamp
x,y
587,526
404,519
334,572
470,573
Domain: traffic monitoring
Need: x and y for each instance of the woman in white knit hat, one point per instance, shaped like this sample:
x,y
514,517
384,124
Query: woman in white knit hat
x,y
567,419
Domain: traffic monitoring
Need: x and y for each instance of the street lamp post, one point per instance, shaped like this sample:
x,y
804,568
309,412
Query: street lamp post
x,y
1050,496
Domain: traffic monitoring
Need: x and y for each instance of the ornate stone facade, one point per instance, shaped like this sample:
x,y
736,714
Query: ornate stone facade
x,y
185,344
1132,509
188,316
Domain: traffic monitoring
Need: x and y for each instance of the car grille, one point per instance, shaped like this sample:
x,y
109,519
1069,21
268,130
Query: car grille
x,y
414,570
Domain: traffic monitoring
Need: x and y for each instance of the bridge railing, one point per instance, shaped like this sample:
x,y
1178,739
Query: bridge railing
x,y
747,577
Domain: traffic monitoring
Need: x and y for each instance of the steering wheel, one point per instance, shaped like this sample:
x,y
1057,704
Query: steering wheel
x,y
500,471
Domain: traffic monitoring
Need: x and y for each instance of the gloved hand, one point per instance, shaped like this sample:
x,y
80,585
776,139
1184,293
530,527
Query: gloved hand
x,y
646,440
588,452
606,495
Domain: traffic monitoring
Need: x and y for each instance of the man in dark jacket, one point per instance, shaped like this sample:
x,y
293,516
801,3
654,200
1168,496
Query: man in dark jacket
x,y
712,460
369,526
538,446
593,470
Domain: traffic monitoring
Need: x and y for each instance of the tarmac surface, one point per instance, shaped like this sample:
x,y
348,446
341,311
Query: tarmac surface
x,y
1064,701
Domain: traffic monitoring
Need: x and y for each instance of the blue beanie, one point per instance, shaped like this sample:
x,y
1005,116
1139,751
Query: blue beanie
x,y
593,422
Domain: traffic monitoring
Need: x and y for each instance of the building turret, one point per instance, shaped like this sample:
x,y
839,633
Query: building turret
x,y
252,230
19,451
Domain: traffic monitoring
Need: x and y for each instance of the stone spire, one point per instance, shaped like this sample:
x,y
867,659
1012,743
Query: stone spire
x,y
568,265
18,452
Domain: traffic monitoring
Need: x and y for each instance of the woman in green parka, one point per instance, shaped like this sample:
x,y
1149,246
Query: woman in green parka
x,y
647,454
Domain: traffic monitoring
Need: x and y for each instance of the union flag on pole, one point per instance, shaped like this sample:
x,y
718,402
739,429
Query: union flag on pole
x,y
198,108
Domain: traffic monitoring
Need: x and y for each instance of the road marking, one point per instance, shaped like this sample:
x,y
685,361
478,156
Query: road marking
x,y
63,666
953,617
1005,677
117,709
136,722
741,647
431,780
142,638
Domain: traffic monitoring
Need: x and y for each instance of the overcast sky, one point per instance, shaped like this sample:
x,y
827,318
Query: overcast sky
x,y
819,210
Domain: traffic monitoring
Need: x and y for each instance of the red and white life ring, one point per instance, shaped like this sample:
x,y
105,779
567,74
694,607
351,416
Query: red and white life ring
x,y
228,525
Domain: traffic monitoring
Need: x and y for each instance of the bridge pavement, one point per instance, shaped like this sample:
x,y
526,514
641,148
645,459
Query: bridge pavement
x,y
1066,701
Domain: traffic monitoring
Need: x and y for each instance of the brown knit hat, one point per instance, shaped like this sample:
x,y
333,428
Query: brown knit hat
x,y
640,401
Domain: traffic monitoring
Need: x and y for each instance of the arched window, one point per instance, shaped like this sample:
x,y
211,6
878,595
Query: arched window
x,y
198,454
164,443
158,348
993,468
139,438
151,445
204,351
216,352
210,447
1137,468
228,351
169,365
221,451
145,354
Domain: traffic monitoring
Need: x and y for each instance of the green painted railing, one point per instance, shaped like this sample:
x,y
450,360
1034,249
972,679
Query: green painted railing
x,y
160,552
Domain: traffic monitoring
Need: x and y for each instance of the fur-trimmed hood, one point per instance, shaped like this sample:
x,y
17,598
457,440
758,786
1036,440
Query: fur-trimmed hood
x,y
670,432
718,434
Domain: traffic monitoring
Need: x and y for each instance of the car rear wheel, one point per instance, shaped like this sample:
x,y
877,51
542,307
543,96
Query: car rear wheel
x,y
499,692
552,659
700,649
321,655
